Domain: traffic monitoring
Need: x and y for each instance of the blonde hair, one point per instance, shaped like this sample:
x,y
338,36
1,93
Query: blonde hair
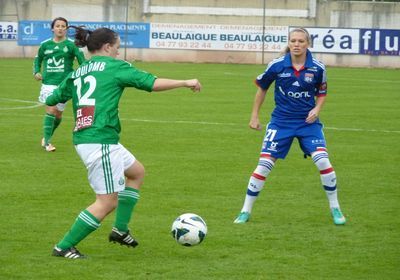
x,y
301,30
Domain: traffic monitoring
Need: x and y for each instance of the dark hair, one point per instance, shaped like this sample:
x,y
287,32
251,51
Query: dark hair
x,y
301,30
95,39
58,18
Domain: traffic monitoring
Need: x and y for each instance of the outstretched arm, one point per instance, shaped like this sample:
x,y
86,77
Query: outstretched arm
x,y
166,84
258,101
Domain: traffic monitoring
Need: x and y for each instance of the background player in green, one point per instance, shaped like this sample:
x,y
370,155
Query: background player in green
x,y
113,172
57,55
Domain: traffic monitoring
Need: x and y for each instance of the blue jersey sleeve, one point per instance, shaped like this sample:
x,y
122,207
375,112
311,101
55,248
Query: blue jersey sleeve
x,y
268,77
322,86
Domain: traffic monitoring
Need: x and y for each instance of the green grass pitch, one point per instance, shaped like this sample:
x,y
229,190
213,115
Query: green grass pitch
x,y
199,153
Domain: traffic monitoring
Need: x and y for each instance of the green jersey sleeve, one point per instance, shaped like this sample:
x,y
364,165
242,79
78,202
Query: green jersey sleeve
x,y
37,62
129,76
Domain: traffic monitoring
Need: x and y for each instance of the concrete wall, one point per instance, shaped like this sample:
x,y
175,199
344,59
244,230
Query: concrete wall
x,y
318,13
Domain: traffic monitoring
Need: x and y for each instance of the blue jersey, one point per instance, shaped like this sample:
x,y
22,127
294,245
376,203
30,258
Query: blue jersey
x,y
295,91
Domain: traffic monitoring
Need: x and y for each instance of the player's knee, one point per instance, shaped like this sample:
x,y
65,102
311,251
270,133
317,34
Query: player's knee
x,y
264,167
136,171
321,160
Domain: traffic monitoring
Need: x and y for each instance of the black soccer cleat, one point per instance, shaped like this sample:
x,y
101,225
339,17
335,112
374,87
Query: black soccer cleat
x,y
70,253
122,238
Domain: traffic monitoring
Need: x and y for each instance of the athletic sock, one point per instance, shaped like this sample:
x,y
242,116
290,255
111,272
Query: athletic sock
x,y
48,126
256,183
84,224
327,175
127,200
57,122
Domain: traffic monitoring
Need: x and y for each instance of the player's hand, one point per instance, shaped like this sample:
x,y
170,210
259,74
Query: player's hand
x,y
194,85
312,116
38,77
255,124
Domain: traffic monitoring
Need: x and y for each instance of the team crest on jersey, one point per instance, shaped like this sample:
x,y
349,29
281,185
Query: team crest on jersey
x,y
308,77
65,49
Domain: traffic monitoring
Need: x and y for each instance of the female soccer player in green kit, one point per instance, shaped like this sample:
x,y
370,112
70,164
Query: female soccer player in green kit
x,y
113,172
57,55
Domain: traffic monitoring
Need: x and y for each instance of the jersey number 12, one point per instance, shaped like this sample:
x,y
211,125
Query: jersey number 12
x,y
85,100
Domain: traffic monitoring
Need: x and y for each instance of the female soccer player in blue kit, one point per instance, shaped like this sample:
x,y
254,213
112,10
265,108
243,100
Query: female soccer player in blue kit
x,y
300,93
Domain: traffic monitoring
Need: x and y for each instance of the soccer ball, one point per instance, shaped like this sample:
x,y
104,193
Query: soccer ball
x,y
189,229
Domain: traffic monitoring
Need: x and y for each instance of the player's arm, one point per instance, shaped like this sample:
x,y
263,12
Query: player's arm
x,y
258,101
60,95
314,113
322,88
37,64
263,82
129,76
166,84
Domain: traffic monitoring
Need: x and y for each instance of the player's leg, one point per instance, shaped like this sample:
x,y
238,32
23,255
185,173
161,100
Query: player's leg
x,y
276,144
49,119
127,198
105,172
313,143
328,180
48,127
86,222
60,107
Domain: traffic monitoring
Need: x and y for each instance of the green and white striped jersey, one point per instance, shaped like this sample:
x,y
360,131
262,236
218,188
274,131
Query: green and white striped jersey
x,y
95,89
57,59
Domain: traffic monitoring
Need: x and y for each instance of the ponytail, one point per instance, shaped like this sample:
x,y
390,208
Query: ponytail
x,y
81,36
94,40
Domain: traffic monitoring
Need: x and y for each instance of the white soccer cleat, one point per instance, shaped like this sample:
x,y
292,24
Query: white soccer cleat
x,y
49,147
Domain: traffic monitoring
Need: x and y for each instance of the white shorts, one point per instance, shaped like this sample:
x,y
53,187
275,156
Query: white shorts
x,y
106,164
46,91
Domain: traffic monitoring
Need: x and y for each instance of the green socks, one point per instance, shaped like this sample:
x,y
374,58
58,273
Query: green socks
x,y
127,200
50,124
56,124
48,127
84,224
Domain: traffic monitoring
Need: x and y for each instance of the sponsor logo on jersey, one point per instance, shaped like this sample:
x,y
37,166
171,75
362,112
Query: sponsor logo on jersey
x,y
84,117
272,147
295,94
54,65
284,75
296,83
308,77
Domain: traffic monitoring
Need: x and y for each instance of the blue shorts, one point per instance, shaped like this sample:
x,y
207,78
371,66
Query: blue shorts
x,y
279,137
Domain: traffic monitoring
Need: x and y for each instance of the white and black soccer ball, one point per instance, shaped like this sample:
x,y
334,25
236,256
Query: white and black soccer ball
x,y
189,229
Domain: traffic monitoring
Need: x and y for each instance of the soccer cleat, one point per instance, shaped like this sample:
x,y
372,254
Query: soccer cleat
x,y
338,218
122,238
242,218
70,253
48,147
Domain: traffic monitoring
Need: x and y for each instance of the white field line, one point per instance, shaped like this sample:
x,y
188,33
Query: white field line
x,y
37,104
